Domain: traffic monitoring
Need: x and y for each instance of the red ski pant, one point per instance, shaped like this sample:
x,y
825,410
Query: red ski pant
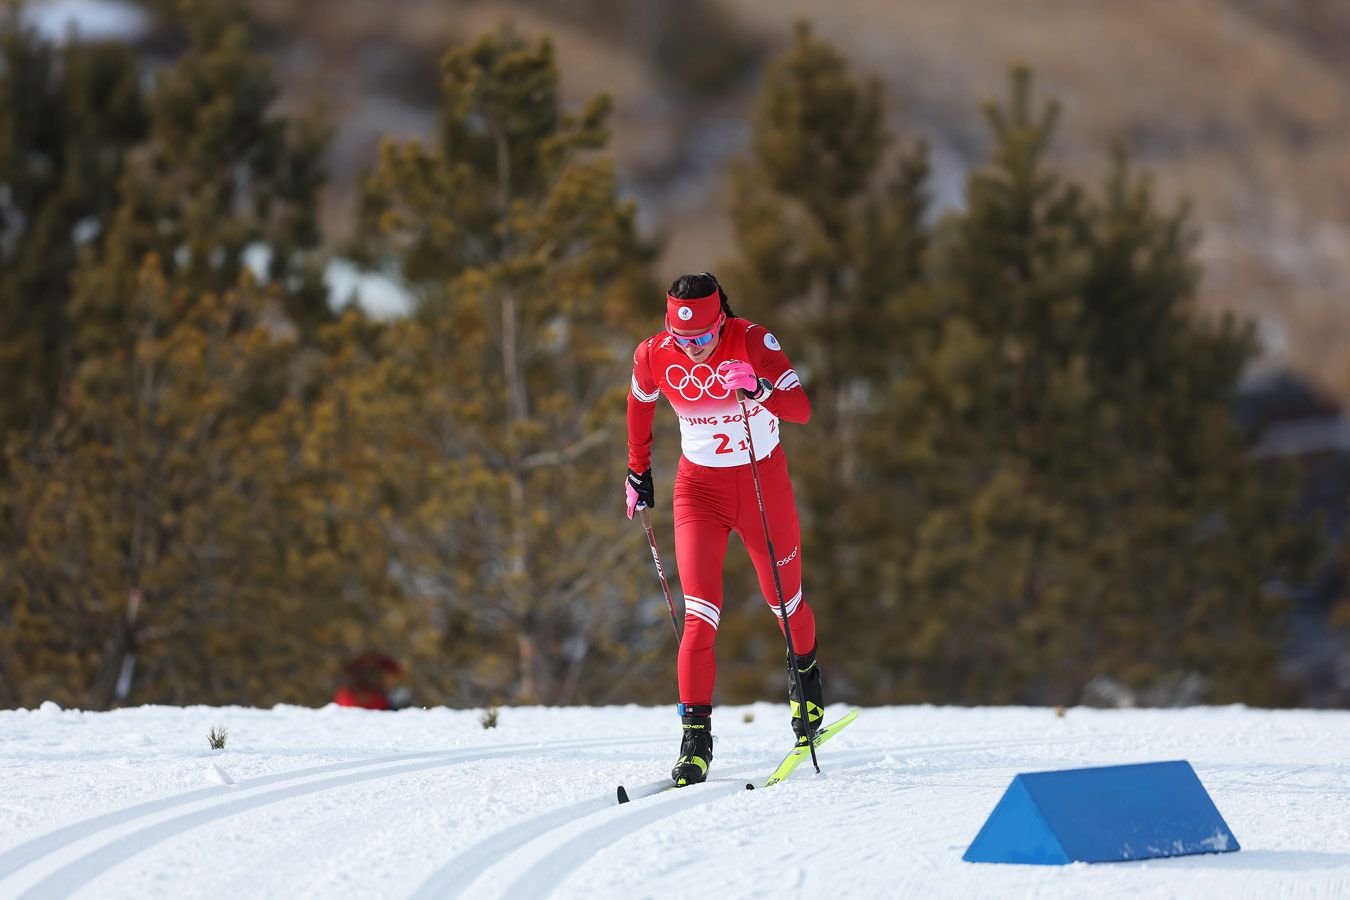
x,y
710,503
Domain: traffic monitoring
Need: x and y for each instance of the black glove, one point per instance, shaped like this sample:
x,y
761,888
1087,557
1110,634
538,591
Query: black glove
x,y
640,491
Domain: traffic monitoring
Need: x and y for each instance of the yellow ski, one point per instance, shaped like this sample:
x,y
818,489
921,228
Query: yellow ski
x,y
802,753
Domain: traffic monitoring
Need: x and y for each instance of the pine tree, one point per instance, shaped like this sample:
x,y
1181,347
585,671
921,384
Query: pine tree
x,y
152,480
828,218
498,399
68,117
1080,503
177,464
221,176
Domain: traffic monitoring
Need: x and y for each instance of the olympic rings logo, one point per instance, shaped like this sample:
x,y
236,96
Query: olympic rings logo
x,y
693,384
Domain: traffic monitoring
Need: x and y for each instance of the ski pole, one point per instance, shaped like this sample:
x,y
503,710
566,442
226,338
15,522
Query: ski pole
x,y
660,572
778,585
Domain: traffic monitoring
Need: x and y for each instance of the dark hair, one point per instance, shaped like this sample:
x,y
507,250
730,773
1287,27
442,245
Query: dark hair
x,y
687,287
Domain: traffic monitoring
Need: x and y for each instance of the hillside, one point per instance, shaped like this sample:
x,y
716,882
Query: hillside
x,y
1242,106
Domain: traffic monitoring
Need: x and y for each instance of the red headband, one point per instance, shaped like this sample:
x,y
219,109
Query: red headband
x,y
695,314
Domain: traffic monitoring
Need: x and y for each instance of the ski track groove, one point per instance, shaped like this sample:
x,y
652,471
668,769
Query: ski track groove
x,y
73,875
451,879
19,856
462,870
564,861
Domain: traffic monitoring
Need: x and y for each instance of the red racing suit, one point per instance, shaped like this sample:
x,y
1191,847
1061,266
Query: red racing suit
x,y
714,493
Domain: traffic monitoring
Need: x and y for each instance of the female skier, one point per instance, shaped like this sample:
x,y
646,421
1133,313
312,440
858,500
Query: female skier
x,y
704,355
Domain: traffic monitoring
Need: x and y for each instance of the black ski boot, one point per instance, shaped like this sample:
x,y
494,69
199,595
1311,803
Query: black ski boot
x,y
809,673
696,747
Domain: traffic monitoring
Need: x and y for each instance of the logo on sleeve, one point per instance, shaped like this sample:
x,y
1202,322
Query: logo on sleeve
x,y
770,341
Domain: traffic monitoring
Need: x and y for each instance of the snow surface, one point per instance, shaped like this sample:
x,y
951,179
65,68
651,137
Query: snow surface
x,y
379,295
425,803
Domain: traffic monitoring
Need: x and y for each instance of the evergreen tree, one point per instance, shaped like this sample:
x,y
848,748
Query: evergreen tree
x,y
828,222
219,176
497,399
179,464
1080,503
67,119
163,474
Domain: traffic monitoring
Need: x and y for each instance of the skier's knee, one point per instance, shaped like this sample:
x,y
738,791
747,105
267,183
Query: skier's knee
x,y
699,634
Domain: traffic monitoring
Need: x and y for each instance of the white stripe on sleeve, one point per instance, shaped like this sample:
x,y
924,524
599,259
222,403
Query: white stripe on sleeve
x,y
642,395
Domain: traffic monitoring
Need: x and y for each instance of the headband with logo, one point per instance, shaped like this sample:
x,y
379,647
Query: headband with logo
x,y
695,314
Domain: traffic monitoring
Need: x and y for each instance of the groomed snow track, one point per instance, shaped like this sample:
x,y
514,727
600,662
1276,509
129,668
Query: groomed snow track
x,y
122,834
529,811
570,835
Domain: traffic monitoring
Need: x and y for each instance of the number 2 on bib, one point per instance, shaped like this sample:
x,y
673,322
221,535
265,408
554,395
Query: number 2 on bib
x,y
724,444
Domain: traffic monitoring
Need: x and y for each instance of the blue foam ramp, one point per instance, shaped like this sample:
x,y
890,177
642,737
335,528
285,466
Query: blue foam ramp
x,y
1106,814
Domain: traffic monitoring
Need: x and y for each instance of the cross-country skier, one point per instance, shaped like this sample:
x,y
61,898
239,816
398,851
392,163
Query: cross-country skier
x,y
704,355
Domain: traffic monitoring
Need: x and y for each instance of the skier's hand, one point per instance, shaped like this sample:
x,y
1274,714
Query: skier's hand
x,y
740,376
639,490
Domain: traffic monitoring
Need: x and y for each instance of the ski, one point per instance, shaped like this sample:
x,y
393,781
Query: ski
x,y
646,790
786,768
800,754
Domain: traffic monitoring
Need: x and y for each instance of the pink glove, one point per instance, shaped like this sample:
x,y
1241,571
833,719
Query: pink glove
x,y
738,375
638,490
632,497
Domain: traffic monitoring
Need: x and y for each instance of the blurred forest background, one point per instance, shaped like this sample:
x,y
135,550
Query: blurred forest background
x,y
316,321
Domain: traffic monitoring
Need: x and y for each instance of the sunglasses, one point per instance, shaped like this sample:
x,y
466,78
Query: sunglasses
x,y
698,340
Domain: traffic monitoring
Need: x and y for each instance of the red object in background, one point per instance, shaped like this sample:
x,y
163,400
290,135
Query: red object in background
x,y
346,696
365,681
